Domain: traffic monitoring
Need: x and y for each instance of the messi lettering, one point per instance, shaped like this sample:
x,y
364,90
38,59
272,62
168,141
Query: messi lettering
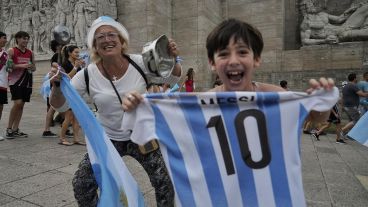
x,y
227,100
217,122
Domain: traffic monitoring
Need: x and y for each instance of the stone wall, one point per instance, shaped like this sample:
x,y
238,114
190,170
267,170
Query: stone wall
x,y
190,21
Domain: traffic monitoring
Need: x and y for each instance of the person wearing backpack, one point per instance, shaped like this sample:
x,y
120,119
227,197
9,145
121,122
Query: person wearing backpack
x,y
111,75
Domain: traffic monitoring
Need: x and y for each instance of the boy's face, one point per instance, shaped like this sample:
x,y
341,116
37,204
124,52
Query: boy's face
x,y
22,41
3,41
235,65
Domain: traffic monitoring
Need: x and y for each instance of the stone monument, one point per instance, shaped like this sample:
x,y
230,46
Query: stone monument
x,y
303,38
38,18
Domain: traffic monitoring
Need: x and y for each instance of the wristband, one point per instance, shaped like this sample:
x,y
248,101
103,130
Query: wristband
x,y
178,59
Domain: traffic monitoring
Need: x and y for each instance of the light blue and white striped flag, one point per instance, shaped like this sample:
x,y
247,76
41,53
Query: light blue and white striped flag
x,y
360,131
45,88
117,186
230,148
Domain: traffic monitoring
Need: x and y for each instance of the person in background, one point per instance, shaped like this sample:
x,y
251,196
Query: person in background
x,y
333,119
47,133
20,82
189,84
71,63
363,86
283,85
3,75
350,102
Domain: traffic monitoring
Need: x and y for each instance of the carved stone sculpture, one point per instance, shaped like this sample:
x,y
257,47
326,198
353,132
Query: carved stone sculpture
x,y
39,17
319,27
80,29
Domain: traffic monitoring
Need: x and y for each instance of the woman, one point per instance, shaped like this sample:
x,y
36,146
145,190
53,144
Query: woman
x,y
189,81
71,63
111,68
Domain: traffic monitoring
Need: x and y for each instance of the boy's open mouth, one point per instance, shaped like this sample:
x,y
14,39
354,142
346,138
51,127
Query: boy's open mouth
x,y
235,75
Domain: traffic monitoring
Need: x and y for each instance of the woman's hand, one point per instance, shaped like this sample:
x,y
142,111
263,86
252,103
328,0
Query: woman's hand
x,y
173,48
54,74
327,84
79,63
131,100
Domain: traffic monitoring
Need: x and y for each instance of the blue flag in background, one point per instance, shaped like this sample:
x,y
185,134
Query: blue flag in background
x,y
117,186
360,131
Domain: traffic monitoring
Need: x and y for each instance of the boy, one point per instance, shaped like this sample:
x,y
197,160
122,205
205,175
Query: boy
x,y
208,141
3,75
20,82
234,52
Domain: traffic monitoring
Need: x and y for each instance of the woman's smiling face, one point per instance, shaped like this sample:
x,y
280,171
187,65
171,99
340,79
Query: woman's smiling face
x,y
108,41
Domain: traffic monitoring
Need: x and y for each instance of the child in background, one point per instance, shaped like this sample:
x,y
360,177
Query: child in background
x,y
3,75
189,81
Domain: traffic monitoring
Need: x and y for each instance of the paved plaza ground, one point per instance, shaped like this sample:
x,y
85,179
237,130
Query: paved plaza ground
x,y
36,171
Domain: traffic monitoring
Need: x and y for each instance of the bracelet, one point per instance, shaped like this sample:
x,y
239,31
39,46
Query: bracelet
x,y
178,59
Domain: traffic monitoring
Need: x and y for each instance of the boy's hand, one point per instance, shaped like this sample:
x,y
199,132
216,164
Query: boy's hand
x,y
327,84
173,48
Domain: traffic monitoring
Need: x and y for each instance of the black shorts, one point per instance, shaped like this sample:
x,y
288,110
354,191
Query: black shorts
x,y
20,92
3,97
333,119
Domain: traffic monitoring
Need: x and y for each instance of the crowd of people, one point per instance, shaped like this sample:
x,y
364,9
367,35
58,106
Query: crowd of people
x,y
353,102
115,86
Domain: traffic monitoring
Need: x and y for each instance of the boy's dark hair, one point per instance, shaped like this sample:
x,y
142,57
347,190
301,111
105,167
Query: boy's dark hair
x,y
53,45
20,34
2,34
220,37
283,83
351,76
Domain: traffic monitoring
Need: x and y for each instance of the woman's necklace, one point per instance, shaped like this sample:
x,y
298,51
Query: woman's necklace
x,y
114,77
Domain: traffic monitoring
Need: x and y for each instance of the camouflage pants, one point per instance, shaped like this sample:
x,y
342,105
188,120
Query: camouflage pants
x,y
85,185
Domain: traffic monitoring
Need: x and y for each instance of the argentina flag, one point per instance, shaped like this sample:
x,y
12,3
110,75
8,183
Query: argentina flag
x,y
230,148
360,131
117,186
45,88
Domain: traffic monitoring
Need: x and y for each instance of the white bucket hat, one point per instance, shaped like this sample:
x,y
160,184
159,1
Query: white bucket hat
x,y
102,21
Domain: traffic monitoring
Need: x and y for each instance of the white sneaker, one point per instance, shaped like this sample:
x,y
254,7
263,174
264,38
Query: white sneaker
x,y
1,138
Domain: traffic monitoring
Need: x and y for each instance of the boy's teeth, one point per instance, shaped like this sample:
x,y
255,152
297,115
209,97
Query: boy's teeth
x,y
234,73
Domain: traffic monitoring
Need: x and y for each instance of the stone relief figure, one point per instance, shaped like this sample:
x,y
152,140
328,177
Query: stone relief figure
x,y
36,23
39,17
42,32
319,27
26,23
107,7
50,24
91,12
11,20
356,26
80,29
64,16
